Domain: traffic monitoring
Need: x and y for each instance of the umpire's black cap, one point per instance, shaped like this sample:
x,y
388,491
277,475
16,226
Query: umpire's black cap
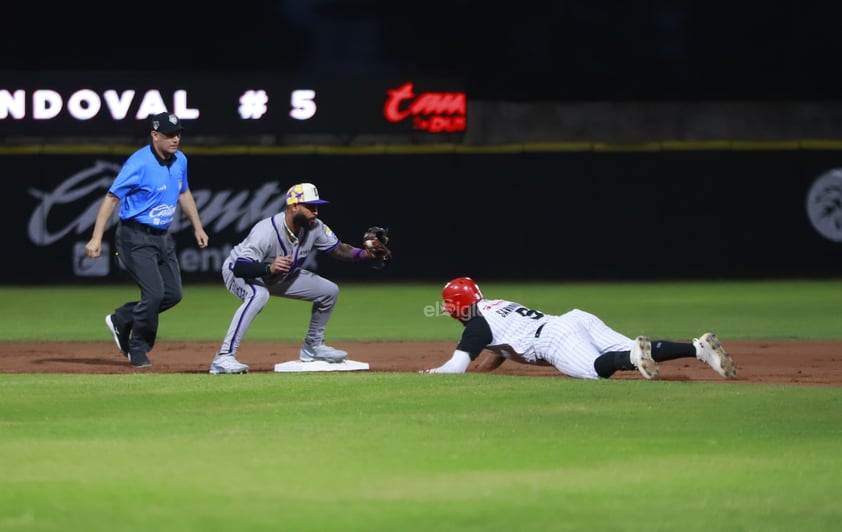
x,y
166,123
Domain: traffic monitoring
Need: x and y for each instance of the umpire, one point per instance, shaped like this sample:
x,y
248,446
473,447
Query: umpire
x,y
149,186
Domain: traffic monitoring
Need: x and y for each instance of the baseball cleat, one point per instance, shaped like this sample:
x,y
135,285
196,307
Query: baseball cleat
x,y
641,357
121,338
309,353
140,360
709,350
227,364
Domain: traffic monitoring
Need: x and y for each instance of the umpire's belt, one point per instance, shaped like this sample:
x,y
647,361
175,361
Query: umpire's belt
x,y
143,227
538,330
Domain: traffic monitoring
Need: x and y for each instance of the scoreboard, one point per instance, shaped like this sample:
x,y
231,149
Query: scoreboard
x,y
102,103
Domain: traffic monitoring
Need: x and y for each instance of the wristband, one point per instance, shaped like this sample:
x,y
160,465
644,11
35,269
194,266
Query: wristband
x,y
358,254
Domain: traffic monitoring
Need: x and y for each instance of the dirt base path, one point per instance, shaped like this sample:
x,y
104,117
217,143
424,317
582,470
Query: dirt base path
x,y
781,362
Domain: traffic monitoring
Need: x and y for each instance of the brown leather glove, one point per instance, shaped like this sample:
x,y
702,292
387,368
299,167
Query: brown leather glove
x,y
375,243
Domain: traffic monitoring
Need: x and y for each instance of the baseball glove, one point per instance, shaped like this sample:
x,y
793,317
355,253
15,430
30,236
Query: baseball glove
x,y
375,242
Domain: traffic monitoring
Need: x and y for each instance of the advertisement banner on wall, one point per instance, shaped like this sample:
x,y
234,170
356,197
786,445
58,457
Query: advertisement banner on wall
x,y
62,211
97,104
463,214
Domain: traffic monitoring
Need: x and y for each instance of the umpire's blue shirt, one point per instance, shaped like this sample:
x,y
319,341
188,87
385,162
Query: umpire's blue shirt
x,y
148,187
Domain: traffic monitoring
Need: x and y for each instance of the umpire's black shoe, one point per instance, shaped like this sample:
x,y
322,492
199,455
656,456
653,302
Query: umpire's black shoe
x,y
140,360
121,335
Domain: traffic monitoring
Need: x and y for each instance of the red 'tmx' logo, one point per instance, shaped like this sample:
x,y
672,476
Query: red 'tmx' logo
x,y
435,112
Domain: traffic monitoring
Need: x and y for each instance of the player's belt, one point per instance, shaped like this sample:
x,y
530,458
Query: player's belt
x,y
143,227
538,330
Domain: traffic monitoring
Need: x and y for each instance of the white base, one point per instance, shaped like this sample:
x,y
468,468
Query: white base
x,y
320,365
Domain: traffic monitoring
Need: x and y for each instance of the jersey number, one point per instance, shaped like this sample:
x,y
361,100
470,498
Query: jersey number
x,y
529,313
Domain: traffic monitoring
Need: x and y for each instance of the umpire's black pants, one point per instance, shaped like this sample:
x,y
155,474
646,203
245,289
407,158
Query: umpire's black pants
x,y
149,256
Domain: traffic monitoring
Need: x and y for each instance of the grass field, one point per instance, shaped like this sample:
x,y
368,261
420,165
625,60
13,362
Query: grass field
x,y
761,309
392,451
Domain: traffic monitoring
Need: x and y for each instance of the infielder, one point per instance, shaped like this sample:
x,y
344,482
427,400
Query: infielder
x,y
576,343
269,262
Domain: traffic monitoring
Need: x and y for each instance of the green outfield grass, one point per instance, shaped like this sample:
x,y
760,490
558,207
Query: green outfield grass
x,y
361,451
735,310
410,452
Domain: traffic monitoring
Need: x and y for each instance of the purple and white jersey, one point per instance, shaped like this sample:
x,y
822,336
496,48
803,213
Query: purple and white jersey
x,y
269,238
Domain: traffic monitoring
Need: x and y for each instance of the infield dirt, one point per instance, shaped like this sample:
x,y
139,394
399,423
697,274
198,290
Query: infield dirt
x,y
816,363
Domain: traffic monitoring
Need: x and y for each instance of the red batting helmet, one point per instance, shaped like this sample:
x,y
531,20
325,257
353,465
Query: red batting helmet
x,y
458,295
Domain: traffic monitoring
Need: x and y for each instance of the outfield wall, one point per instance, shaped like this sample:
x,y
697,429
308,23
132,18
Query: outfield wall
x,y
513,213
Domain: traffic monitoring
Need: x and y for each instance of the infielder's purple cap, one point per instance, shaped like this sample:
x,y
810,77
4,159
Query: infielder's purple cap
x,y
166,123
304,193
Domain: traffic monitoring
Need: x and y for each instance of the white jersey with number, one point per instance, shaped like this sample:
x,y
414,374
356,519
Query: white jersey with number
x,y
513,328
571,342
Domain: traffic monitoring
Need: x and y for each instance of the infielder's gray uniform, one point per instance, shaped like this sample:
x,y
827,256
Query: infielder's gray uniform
x,y
570,342
269,238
